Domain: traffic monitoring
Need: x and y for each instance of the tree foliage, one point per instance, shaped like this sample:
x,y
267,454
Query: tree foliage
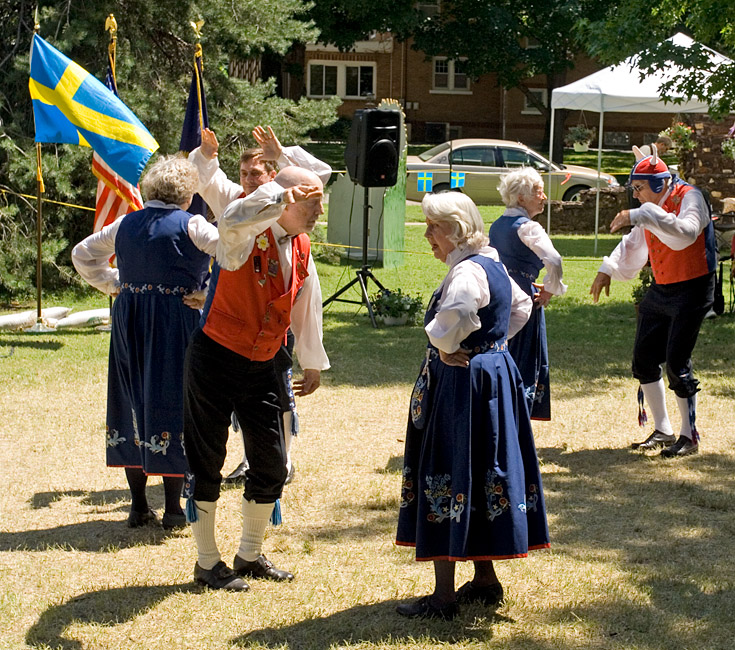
x,y
515,40
155,47
629,27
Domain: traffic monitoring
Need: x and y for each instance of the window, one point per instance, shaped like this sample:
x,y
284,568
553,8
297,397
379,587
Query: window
x,y
539,93
341,78
429,9
450,76
518,158
359,80
322,80
474,156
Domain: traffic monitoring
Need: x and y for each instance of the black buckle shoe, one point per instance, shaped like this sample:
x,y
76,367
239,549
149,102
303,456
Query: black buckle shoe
x,y
260,567
654,441
172,521
423,608
682,447
139,519
491,595
220,576
237,476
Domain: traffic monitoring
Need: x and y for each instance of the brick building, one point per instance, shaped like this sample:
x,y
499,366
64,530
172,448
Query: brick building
x,y
440,101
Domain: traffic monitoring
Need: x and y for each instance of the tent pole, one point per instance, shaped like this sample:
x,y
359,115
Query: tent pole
x,y
551,159
599,171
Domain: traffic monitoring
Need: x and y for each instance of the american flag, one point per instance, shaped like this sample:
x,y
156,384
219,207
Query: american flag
x,y
115,196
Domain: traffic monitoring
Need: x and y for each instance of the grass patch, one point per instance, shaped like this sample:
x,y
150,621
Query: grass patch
x,y
641,549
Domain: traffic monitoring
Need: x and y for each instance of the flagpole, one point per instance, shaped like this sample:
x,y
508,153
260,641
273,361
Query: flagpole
x,y
39,327
199,68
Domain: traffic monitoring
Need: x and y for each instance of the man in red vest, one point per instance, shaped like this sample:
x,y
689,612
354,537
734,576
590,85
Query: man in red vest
x,y
257,166
673,230
264,281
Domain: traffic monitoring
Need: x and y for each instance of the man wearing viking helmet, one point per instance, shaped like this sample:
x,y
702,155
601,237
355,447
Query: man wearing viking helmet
x,y
673,230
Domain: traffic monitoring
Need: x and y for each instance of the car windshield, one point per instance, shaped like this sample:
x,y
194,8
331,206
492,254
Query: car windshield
x,y
430,153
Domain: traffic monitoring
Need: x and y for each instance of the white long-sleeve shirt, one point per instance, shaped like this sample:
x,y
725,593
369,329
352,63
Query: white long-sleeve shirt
x,y
91,255
533,235
242,221
218,191
675,231
464,291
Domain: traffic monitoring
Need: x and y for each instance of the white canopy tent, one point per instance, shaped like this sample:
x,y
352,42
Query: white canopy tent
x,y
621,88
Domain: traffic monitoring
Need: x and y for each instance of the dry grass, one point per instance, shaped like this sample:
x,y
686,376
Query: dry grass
x,y
641,549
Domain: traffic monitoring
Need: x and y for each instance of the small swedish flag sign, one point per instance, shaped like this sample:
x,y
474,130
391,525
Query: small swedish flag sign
x,y
425,181
457,179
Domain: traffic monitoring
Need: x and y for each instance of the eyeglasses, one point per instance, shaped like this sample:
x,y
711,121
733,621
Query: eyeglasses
x,y
636,188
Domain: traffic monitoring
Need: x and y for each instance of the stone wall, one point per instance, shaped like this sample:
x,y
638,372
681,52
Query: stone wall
x,y
579,216
706,167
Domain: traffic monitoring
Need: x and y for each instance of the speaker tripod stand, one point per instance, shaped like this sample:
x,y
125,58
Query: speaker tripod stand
x,y
363,274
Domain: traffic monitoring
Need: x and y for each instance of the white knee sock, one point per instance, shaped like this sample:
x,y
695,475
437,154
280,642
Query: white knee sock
x,y
203,530
287,437
255,518
655,395
686,426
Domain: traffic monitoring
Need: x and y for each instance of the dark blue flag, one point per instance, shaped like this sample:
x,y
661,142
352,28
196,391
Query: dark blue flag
x,y
191,134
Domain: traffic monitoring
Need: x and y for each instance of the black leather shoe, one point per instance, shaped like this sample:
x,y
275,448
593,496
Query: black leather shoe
x,y
172,521
261,567
220,576
490,595
423,608
654,441
139,519
237,476
682,447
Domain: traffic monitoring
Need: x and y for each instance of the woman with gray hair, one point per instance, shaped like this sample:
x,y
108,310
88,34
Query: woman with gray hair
x,y
525,248
162,254
471,483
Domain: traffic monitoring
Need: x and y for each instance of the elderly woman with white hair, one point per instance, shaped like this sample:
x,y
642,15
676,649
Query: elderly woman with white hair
x,y
162,254
471,483
525,248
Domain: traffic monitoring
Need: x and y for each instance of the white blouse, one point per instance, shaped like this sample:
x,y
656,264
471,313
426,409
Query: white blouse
x,y
464,291
91,255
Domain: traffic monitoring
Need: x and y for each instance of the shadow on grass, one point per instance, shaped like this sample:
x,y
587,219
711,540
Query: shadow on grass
x,y
375,625
106,607
27,341
99,536
86,498
670,532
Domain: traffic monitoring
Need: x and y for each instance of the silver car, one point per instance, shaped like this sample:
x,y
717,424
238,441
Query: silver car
x,y
474,166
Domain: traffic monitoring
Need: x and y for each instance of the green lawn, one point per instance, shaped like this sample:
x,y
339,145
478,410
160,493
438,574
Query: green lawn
x,y
641,555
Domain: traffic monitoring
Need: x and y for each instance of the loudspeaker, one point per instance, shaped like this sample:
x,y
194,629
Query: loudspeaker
x,y
372,148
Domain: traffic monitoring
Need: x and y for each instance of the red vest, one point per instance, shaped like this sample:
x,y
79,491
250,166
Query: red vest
x,y
671,266
251,309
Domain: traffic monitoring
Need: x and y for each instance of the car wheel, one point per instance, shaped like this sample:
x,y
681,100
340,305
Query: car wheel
x,y
444,187
572,194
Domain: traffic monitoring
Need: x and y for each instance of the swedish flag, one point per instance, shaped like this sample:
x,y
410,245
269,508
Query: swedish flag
x,y
425,181
457,179
70,105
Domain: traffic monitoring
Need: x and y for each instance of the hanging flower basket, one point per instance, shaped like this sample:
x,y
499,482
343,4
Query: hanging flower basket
x,y
579,137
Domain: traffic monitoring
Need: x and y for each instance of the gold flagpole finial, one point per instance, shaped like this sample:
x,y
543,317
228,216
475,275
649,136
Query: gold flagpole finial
x,y
111,26
197,27
36,24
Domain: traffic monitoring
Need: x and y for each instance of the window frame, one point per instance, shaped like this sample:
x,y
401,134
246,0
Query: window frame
x,y
529,109
342,78
450,89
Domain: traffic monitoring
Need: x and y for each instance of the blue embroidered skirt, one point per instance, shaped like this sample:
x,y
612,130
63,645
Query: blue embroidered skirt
x,y
531,354
151,328
471,482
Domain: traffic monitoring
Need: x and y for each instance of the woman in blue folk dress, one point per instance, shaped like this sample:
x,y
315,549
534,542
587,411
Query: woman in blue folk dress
x,y
471,483
525,248
162,254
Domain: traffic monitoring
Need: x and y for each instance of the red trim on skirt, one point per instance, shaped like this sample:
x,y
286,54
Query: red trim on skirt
x,y
478,558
